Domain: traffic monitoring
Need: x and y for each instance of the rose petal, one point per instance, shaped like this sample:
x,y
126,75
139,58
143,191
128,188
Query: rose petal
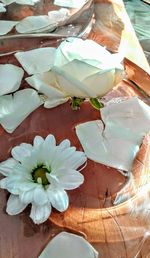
x,y
40,214
79,83
10,78
6,26
88,51
47,84
58,198
66,245
15,108
37,60
14,205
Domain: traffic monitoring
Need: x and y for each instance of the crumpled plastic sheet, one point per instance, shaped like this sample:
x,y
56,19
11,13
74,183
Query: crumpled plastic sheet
x,y
139,13
130,220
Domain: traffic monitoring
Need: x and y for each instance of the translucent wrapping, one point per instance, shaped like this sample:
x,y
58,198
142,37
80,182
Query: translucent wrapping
x,y
110,210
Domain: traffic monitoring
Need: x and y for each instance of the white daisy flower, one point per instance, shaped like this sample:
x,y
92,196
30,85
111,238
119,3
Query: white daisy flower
x,y
39,174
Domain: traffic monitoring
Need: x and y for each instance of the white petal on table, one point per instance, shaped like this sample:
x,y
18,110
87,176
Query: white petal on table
x,y
114,152
67,245
29,2
70,3
129,119
2,8
59,15
15,108
126,124
35,23
6,26
14,205
46,83
40,214
10,78
38,60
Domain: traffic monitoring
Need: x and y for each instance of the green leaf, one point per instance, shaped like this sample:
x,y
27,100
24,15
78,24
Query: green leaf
x,y
76,103
96,104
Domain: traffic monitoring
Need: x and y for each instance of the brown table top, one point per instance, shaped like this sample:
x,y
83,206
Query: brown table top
x,y
122,236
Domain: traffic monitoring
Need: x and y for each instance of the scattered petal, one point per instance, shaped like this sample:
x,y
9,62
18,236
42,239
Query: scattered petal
x,y
6,26
59,15
27,2
15,108
70,3
37,60
33,24
126,123
129,119
2,8
14,205
10,78
66,245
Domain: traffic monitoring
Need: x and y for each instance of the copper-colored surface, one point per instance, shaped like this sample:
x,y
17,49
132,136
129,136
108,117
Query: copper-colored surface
x,y
114,231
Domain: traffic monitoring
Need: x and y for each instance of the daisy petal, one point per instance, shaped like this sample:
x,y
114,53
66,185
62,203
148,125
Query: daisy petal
x,y
7,166
15,108
38,140
14,205
40,196
68,178
58,198
68,157
50,141
22,151
11,184
64,144
10,78
37,60
40,214
66,245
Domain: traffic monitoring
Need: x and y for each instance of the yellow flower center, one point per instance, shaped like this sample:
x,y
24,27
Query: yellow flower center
x,y
39,175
